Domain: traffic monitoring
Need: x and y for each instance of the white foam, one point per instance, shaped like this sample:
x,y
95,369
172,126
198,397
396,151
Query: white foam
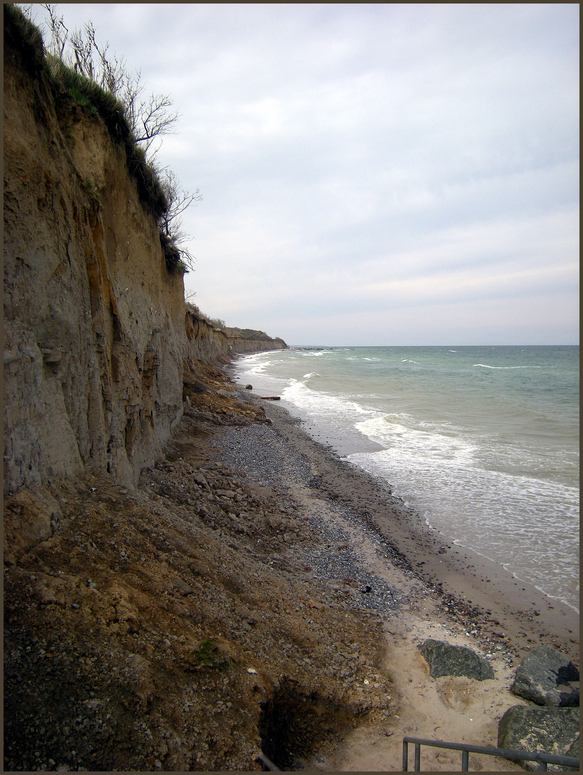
x,y
504,368
328,407
512,520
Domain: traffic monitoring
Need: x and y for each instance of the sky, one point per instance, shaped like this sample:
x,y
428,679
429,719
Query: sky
x,y
371,174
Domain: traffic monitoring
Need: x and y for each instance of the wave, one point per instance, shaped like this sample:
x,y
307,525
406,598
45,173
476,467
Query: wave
x,y
514,520
487,366
342,411
259,368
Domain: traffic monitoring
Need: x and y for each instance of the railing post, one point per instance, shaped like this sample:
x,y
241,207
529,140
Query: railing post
x,y
542,759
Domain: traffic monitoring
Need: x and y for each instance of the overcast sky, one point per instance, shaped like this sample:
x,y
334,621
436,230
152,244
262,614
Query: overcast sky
x,y
371,174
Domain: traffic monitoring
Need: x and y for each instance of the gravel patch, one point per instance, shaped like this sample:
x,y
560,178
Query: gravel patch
x,y
266,458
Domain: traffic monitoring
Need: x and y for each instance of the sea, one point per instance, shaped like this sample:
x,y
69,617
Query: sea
x,y
482,442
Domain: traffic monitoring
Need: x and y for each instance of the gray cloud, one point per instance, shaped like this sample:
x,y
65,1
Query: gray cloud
x,y
372,174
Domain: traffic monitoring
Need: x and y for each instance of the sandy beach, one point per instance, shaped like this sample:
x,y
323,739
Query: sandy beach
x,y
426,588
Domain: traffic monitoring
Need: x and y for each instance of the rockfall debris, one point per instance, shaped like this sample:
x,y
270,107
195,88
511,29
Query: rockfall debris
x,y
161,628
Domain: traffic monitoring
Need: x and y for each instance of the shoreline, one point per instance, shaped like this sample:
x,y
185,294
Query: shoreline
x,y
457,570
435,590
524,613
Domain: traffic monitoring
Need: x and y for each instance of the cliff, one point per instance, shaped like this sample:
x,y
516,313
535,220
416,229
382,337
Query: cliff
x,y
96,329
147,627
94,323
210,343
247,340
206,342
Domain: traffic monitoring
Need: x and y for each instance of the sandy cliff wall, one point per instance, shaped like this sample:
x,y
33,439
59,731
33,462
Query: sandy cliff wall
x,y
96,329
206,342
241,346
94,324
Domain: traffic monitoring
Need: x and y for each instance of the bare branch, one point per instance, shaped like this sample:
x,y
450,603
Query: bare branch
x,y
178,201
82,53
56,28
149,119
153,119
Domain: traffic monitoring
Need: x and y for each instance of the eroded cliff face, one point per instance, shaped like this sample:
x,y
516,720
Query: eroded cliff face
x,y
210,344
242,346
206,342
97,333
93,321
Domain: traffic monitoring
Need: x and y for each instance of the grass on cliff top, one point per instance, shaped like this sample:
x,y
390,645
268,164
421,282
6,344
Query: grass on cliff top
x,y
248,333
22,34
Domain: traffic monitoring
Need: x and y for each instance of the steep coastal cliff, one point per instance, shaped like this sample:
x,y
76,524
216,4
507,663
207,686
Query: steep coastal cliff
x,y
96,329
139,592
245,340
210,343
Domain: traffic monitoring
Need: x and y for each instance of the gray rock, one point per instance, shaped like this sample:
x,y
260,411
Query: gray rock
x,y
200,479
544,677
445,659
540,730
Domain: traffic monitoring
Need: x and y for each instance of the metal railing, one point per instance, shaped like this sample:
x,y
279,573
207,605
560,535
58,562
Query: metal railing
x,y
466,749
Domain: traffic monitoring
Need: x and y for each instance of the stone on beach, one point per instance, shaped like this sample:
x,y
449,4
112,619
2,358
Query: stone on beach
x,y
540,730
545,676
446,659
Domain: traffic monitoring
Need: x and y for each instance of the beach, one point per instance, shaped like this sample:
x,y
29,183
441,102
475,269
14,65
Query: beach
x,y
396,567
255,595
481,442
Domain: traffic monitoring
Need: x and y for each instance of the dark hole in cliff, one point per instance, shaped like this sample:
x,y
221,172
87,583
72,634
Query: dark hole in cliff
x,y
293,725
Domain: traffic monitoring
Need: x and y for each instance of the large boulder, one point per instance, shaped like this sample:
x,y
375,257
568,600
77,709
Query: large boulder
x,y
544,677
540,730
445,659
